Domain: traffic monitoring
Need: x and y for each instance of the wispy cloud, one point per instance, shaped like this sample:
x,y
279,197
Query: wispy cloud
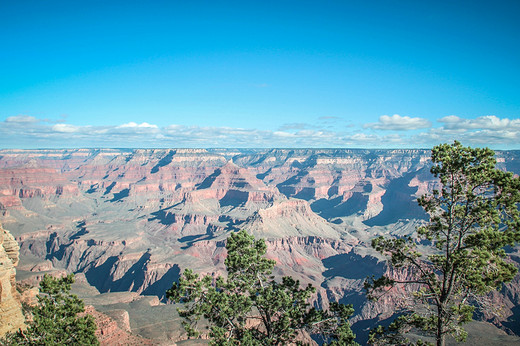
x,y
323,123
329,118
65,128
399,123
488,130
138,126
132,128
488,122
21,119
29,132
295,126
494,139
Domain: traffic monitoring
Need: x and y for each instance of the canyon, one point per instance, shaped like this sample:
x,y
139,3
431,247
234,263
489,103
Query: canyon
x,y
128,222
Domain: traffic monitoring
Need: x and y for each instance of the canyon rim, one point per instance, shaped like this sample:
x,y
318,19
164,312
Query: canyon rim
x,y
127,222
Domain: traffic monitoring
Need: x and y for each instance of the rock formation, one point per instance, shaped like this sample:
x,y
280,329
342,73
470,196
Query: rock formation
x,y
10,307
111,333
132,220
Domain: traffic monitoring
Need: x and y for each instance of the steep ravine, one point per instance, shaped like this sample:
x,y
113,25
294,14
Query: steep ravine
x,y
131,221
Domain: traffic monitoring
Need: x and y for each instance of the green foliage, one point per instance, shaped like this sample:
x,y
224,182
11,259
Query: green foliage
x,y
55,319
250,307
473,216
395,333
335,326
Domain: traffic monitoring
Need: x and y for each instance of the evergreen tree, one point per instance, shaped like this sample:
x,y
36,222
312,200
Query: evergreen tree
x,y
250,307
473,217
55,319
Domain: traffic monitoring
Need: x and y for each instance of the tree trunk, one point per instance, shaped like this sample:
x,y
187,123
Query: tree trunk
x,y
441,340
440,336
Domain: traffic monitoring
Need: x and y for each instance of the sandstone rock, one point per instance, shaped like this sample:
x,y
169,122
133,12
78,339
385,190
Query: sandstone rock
x,y
111,333
132,220
10,307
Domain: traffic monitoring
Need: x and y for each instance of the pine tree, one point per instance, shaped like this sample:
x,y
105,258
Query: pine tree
x,y
55,319
473,217
250,307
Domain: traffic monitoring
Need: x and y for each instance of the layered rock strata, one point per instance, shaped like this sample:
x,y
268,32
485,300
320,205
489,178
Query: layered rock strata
x,y
11,316
132,220
111,333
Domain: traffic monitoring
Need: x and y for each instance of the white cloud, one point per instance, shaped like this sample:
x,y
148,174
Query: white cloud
x,y
363,137
173,127
135,125
492,138
487,122
21,119
100,131
489,130
132,129
65,128
399,123
283,134
393,138
29,132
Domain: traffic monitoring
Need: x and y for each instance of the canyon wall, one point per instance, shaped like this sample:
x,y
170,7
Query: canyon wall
x,y
132,220
10,306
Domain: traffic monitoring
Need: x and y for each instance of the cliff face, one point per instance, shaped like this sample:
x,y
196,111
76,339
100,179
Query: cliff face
x,y
133,220
10,307
112,331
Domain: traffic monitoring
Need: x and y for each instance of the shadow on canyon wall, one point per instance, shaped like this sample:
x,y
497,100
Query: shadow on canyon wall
x,y
206,183
101,277
160,287
234,198
399,202
352,266
166,160
331,208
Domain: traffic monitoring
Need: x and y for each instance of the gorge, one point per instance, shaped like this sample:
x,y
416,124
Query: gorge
x,y
127,222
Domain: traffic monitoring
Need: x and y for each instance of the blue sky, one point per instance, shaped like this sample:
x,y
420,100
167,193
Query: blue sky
x,y
373,74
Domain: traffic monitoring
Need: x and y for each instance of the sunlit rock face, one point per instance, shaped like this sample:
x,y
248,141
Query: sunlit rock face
x,y
132,220
10,307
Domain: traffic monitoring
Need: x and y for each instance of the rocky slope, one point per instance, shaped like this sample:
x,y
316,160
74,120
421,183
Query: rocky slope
x,y
111,333
132,220
10,306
